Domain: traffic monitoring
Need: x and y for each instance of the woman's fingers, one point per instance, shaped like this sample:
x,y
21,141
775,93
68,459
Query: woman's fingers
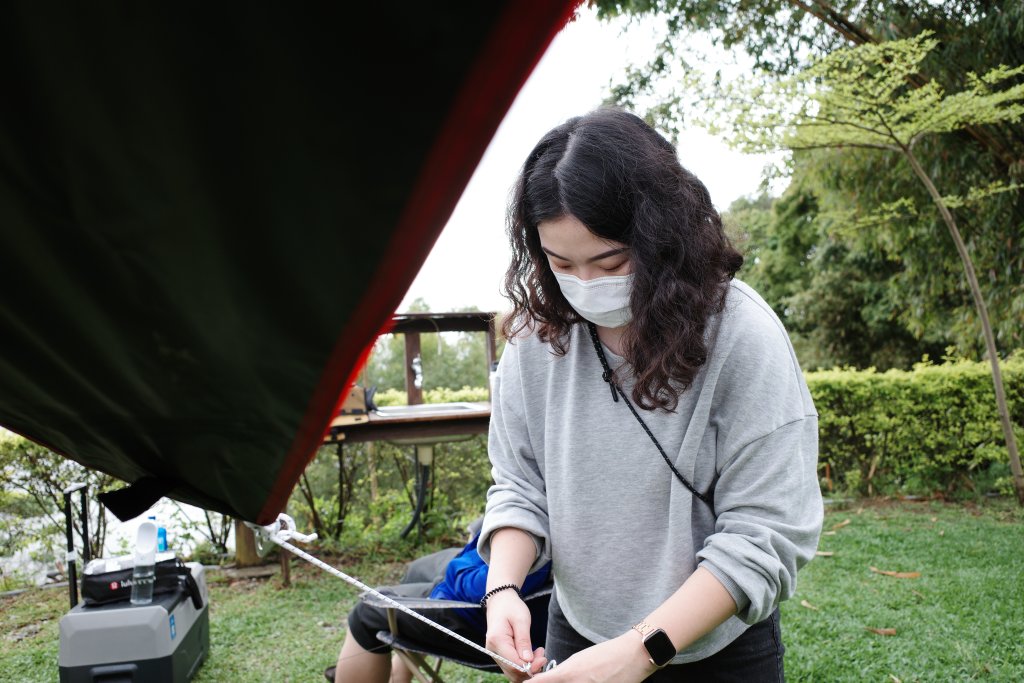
x,y
521,635
508,633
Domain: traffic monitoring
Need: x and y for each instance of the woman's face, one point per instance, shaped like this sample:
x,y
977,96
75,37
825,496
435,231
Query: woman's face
x,y
574,250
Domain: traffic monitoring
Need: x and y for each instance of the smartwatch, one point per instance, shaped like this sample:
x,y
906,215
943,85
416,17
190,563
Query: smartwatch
x,y
660,649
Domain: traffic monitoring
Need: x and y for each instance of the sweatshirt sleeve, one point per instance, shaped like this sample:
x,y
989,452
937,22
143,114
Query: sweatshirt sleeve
x,y
517,498
769,516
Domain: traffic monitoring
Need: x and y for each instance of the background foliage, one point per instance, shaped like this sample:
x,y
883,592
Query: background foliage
x,y
933,430
362,495
32,519
32,503
886,295
450,359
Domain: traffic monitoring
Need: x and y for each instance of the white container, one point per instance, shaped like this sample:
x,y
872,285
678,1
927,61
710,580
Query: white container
x,y
144,573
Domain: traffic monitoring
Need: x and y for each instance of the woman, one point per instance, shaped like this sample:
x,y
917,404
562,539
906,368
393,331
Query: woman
x,y
651,431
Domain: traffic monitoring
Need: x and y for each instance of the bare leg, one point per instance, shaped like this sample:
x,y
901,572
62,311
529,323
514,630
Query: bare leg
x,y
356,665
399,671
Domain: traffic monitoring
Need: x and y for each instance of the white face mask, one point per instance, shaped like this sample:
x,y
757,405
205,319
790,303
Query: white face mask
x,y
603,301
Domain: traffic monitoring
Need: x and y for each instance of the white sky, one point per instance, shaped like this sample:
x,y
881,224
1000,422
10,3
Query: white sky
x,y
467,263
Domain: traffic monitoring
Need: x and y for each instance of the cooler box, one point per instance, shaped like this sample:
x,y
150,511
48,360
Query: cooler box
x,y
165,641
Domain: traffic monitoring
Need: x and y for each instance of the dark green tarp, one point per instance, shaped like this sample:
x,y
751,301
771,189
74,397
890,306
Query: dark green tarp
x,y
208,211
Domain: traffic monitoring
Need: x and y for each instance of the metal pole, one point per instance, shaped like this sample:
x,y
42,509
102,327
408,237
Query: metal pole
x,y
424,464
86,550
72,579
69,530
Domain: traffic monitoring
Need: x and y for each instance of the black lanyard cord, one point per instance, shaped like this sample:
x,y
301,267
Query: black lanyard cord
x,y
706,498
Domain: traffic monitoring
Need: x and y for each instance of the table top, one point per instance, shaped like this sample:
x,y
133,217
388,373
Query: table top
x,y
425,412
425,420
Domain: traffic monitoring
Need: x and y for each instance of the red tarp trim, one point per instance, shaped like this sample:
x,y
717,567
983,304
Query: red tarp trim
x,y
499,72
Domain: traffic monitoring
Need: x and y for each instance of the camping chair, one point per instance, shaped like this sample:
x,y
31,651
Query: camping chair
x,y
417,655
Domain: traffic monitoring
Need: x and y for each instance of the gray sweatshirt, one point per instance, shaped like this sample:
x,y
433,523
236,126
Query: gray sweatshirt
x,y
577,471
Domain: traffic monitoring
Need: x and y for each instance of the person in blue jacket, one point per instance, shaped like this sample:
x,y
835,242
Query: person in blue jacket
x,y
449,574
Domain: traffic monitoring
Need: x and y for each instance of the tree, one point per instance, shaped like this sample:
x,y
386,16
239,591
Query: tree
x,y
782,35
832,293
40,477
862,98
920,282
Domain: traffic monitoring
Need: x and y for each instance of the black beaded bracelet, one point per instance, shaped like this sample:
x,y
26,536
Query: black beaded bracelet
x,y
483,600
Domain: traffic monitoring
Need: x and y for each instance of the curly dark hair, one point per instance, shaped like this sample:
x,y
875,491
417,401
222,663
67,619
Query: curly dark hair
x,y
623,180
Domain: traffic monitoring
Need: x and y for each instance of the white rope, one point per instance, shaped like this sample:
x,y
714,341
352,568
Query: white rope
x,y
284,528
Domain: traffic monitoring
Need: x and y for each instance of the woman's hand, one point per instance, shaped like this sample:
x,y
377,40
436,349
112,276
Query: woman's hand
x,y
619,660
508,634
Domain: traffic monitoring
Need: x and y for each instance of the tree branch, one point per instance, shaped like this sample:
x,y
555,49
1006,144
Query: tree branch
x,y
828,16
858,36
837,145
828,121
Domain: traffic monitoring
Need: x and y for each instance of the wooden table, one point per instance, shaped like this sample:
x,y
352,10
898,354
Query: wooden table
x,y
422,426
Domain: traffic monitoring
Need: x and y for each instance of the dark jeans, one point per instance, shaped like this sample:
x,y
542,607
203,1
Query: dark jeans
x,y
754,657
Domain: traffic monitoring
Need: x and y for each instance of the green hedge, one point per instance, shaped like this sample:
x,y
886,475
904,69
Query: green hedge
x,y
934,429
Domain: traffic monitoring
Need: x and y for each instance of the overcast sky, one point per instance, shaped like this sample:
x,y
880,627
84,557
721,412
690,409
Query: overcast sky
x,y
466,265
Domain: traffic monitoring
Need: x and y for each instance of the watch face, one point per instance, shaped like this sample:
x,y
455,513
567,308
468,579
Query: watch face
x,y
660,647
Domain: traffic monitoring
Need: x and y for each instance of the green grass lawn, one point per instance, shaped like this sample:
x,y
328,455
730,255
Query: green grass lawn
x,y
962,619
